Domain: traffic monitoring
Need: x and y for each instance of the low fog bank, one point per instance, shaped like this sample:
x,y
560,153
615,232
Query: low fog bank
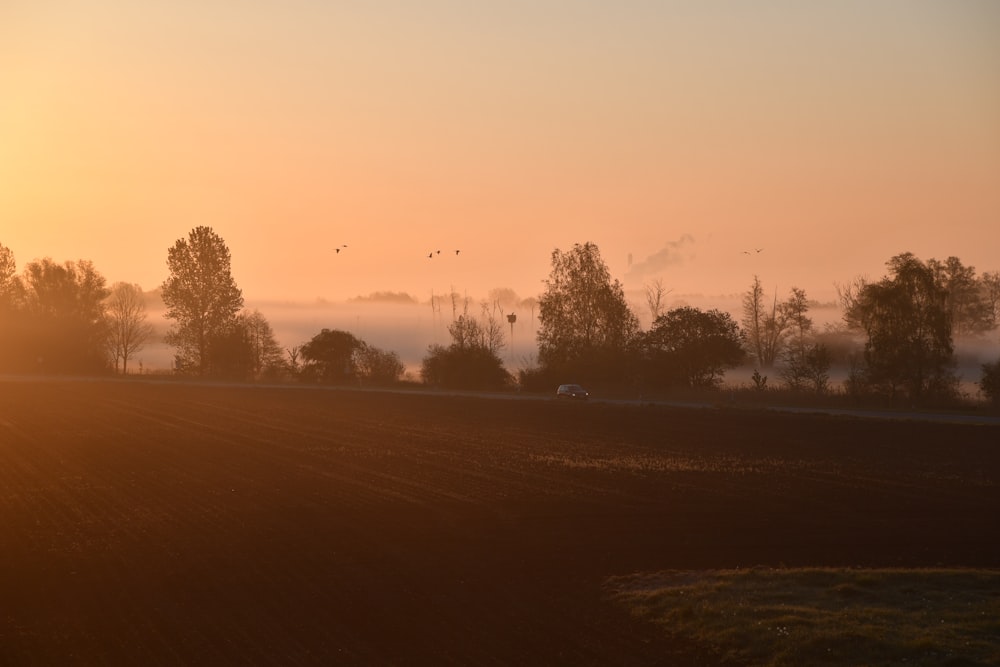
x,y
971,354
401,324
408,328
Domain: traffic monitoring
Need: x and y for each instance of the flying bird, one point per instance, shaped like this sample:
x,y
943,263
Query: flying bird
x,y
456,252
430,255
758,249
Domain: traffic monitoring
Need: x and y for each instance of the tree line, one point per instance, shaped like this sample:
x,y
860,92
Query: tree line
x,y
907,322
63,318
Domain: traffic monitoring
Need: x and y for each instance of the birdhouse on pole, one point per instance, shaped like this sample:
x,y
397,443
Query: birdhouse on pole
x,y
512,318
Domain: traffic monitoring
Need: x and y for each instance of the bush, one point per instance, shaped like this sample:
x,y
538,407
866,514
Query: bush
x,y
808,371
990,382
377,366
456,367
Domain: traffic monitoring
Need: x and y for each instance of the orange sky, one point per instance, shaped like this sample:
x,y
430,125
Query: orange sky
x,y
832,135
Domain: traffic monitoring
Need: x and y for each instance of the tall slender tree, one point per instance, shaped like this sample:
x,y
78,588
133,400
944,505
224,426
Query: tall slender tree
x,y
764,326
200,295
806,363
586,323
655,294
127,328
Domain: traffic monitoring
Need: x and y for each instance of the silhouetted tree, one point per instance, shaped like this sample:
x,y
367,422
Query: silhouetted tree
x,y
806,363
231,352
466,331
266,357
753,319
990,288
468,363
377,366
60,317
127,328
455,367
795,311
905,317
387,297
848,295
494,337
970,311
587,326
200,295
293,359
531,305
503,297
810,370
763,326
655,292
11,317
329,357
989,384
693,346
245,349
8,274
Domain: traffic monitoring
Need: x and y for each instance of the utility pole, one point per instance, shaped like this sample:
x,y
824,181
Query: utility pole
x,y
512,318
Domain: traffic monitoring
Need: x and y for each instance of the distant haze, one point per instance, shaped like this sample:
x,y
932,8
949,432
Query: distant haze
x,y
407,327
680,137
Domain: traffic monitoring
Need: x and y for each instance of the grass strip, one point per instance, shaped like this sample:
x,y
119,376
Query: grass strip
x,y
825,616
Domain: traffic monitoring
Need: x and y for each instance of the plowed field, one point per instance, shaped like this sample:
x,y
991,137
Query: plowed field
x,y
161,523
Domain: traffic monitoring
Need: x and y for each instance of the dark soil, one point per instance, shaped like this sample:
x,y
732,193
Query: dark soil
x,y
160,523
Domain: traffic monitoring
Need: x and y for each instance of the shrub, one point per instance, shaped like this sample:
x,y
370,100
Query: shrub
x,y
457,367
989,384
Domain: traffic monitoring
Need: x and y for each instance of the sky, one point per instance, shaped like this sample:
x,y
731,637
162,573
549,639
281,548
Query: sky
x,y
680,137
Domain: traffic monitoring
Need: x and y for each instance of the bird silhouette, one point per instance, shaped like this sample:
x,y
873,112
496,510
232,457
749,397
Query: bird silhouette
x,y
456,252
746,252
758,249
430,255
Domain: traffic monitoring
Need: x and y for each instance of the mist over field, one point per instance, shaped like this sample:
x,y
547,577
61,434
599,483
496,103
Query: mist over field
x,y
406,325
404,328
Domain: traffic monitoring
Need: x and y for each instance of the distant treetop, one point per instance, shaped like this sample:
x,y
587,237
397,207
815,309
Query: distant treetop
x,y
386,297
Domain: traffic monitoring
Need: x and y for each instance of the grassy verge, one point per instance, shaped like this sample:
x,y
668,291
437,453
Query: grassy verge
x,y
825,616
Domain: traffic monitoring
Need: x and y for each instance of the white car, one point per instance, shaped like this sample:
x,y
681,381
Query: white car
x,y
572,391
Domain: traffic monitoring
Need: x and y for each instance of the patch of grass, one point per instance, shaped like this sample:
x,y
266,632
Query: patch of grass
x,y
826,616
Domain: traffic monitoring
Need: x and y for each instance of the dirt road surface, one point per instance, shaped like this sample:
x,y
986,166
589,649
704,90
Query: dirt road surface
x,y
159,523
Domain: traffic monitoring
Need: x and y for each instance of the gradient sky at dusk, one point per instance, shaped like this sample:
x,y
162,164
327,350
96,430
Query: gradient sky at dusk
x,y
675,135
